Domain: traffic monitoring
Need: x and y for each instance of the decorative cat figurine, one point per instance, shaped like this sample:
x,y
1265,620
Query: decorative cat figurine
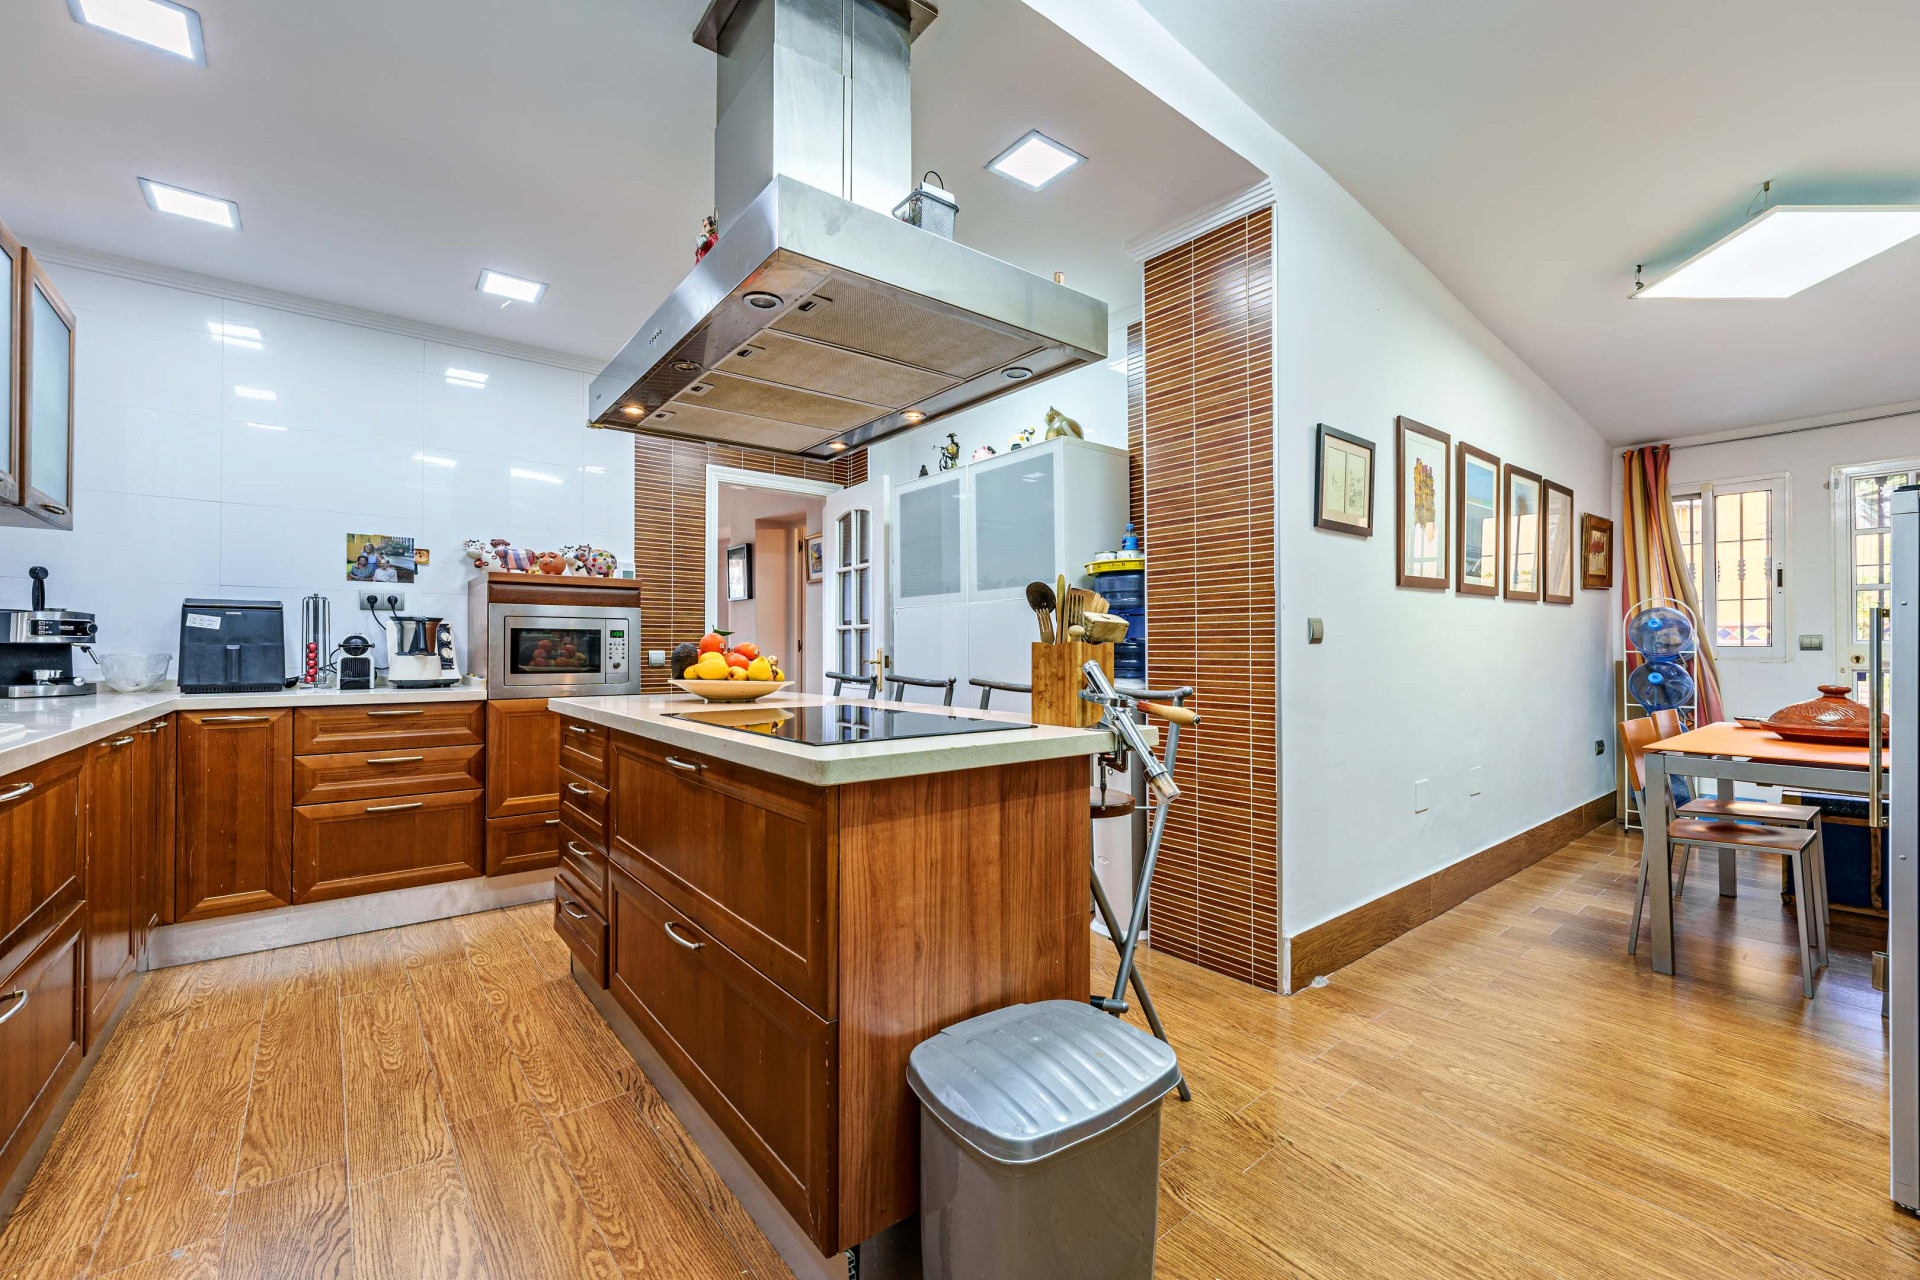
x,y
1059,424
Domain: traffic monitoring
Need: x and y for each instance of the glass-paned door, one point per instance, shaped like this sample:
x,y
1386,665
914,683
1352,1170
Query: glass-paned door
x,y
855,570
1865,502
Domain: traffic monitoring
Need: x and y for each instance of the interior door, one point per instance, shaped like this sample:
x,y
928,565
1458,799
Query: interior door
x,y
854,569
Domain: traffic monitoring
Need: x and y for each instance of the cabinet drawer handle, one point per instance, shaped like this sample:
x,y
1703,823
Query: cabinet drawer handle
x,y
231,719
400,711
689,766
691,946
578,728
19,997
553,822
578,852
54,507
393,759
390,808
121,742
155,728
571,910
579,790
16,793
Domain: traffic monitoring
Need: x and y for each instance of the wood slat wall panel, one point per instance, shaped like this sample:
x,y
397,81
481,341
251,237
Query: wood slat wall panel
x,y
1200,426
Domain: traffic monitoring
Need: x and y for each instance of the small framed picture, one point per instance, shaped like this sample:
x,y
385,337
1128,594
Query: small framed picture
x,y
1521,518
1476,570
1596,553
1422,501
814,555
1342,482
1556,545
740,571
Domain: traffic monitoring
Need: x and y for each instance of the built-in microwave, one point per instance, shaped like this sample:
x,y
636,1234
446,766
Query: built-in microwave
x,y
560,651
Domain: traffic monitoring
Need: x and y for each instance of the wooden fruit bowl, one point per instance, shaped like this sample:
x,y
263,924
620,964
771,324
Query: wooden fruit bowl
x,y
730,690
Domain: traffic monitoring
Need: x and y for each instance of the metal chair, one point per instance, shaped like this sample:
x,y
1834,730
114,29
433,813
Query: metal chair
x,y
988,687
897,687
840,678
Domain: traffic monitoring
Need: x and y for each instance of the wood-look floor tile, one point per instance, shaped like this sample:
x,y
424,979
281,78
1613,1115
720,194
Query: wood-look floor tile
x,y
476,1070
416,1225
430,942
490,940
533,1222
180,1181
298,1228
535,923
195,1262
647,1213
295,1120
309,967
570,1061
45,1269
393,1116
370,961
704,1181
219,992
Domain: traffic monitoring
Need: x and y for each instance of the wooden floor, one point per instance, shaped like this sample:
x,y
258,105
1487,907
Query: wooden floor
x,y
1501,1092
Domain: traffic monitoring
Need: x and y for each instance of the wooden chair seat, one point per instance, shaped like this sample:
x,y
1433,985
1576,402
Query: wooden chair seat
x,y
1741,835
1109,803
1797,815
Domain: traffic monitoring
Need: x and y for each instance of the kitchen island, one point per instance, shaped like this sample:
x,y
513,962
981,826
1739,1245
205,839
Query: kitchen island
x,y
782,922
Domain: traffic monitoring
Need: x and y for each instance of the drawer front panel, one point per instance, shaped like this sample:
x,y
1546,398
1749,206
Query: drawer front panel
x,y
381,775
366,846
762,1065
40,1037
587,865
581,926
39,853
525,843
583,806
583,749
403,726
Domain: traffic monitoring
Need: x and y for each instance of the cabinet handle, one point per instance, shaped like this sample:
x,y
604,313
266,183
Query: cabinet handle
x,y
19,997
691,946
54,507
578,728
155,728
578,790
16,793
400,711
553,822
393,759
571,910
578,852
390,808
231,719
121,742
689,766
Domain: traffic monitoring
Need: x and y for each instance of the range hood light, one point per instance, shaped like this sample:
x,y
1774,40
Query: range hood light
x,y
1035,161
687,366
632,410
836,445
1016,374
914,416
764,301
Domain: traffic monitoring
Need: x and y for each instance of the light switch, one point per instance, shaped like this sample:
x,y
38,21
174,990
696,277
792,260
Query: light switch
x,y
1422,795
656,657
1316,631
1812,644
1476,776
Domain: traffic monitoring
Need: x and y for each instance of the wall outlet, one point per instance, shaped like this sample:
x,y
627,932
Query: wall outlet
x,y
1476,777
1422,795
656,657
378,599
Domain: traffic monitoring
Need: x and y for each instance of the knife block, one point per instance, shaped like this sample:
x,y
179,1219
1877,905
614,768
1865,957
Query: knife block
x,y
1058,680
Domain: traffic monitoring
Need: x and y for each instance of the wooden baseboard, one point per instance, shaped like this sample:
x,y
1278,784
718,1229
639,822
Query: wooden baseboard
x,y
1345,938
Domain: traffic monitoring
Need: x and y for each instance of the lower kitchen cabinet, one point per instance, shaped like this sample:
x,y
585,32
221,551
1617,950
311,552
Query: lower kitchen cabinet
x,y
114,844
359,846
40,854
235,822
42,1028
523,785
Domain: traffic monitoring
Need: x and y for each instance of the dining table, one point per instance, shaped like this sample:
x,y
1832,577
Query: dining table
x,y
1729,752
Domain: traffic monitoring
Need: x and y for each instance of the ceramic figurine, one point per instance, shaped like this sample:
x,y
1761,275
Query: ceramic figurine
x,y
483,556
513,559
551,562
590,561
709,236
949,452
1059,424
1022,440
984,451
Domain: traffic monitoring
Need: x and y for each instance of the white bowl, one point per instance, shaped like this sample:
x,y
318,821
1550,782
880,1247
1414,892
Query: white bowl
x,y
134,672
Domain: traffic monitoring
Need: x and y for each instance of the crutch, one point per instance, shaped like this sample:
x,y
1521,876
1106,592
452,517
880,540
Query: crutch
x,y
1117,715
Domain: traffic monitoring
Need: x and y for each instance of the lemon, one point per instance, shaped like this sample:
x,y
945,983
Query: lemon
x,y
759,669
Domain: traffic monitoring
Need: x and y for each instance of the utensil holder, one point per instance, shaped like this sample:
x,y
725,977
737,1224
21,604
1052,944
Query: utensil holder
x,y
1057,681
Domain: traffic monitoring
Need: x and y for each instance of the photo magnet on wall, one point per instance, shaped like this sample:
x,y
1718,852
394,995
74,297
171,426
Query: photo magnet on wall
x,y
379,557
1342,482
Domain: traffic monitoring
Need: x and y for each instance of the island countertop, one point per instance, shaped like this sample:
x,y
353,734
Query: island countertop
x,y
650,716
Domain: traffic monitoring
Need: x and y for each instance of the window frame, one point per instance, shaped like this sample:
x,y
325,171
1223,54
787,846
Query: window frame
x,y
1780,543
1850,655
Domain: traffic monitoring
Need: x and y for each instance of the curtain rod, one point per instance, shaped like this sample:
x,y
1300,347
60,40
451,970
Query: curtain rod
x,y
1794,431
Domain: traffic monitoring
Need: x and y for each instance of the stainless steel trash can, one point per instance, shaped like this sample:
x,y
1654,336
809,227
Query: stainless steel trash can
x,y
1040,1145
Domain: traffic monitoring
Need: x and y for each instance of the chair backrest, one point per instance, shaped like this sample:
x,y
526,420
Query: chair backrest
x,y
1635,737
842,678
899,682
1669,723
986,688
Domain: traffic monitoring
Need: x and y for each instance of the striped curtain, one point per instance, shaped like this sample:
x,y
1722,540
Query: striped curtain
x,y
1651,562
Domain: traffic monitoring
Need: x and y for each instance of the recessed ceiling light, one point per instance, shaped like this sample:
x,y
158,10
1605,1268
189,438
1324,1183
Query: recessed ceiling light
x,y
1786,249
162,198
466,378
512,288
1035,160
521,473
158,23
255,393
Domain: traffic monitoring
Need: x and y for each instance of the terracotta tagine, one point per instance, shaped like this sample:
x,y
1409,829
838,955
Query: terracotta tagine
x,y
1831,717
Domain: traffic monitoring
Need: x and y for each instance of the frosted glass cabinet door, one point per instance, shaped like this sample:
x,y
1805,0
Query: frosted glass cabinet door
x,y
927,538
10,277
1013,522
47,402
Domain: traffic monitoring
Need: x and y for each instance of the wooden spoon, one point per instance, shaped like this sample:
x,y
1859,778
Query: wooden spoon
x,y
1065,606
1040,600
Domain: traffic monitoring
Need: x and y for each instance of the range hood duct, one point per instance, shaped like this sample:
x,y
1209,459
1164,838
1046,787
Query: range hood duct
x,y
819,322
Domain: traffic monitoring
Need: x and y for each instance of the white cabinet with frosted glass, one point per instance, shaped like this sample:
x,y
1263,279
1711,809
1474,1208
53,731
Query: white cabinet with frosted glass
x,y
36,451
967,542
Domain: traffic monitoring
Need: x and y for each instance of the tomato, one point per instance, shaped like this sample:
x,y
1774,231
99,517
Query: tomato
x,y
711,643
747,649
738,659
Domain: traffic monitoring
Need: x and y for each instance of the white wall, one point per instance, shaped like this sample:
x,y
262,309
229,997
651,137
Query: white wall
x,y
1409,684
1759,687
185,488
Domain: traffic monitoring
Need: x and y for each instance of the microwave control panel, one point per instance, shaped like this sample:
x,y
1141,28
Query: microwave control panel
x,y
616,651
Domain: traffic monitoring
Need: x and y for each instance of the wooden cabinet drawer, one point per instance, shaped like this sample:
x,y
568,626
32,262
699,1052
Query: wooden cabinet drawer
x,y
580,924
762,1065
39,853
381,775
745,854
587,865
527,842
583,806
324,730
523,757
583,749
41,1021
364,847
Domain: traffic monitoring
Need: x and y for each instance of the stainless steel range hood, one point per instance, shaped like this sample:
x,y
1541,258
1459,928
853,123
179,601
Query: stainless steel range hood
x,y
818,321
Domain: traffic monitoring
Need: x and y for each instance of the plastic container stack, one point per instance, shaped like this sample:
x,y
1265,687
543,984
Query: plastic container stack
x,y
1123,581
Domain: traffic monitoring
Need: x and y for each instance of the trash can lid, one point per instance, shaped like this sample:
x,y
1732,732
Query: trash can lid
x,y
1028,1081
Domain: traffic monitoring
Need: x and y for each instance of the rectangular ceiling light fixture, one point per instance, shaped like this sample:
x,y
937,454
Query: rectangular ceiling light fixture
x,y
512,288
159,23
1035,160
162,198
1787,249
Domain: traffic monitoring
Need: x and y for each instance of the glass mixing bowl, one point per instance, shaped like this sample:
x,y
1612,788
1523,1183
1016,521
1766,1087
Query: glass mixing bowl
x,y
134,672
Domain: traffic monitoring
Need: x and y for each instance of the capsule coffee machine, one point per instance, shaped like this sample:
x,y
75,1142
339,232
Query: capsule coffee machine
x,y
37,644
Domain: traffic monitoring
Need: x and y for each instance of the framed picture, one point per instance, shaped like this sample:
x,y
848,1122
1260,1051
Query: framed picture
x,y
740,571
814,554
1421,497
1596,552
379,557
1556,545
1520,516
1476,540
1342,482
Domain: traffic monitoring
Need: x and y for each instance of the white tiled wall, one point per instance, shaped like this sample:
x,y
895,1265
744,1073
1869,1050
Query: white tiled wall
x,y
185,486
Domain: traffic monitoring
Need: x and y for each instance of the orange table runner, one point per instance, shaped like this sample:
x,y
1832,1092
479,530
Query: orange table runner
x,y
1726,738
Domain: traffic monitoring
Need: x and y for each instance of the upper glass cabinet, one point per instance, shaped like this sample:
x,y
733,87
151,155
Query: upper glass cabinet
x,y
47,399
12,272
1014,537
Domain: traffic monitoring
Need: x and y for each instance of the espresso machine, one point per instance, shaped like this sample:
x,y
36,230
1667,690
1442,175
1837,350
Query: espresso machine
x,y
37,644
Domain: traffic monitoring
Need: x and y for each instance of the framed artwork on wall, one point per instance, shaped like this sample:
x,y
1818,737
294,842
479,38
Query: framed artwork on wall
x,y
814,557
740,571
1596,552
1556,545
1476,537
1342,482
1520,549
1422,500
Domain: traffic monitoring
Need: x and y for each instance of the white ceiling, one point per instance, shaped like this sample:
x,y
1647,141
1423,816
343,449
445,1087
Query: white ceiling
x,y
1530,154
383,151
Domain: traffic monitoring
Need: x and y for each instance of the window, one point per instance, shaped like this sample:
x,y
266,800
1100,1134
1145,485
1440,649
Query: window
x,y
1729,535
1863,523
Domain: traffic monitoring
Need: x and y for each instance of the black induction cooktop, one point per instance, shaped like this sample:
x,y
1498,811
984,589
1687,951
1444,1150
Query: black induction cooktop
x,y
838,725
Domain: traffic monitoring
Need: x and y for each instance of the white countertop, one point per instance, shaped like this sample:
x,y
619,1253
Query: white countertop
x,y
648,717
58,725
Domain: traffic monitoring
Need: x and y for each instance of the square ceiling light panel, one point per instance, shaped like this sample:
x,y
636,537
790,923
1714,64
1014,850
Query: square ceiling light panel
x,y
162,198
512,288
159,24
1786,249
1035,160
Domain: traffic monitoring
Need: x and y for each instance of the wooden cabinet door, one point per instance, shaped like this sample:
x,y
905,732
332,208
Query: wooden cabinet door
x,y
523,758
112,835
41,1024
365,846
234,847
153,830
40,855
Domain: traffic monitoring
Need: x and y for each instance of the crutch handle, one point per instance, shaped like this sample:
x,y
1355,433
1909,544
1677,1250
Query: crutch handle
x,y
1173,715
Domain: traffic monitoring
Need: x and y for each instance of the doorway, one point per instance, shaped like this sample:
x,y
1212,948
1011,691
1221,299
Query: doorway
x,y
758,583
